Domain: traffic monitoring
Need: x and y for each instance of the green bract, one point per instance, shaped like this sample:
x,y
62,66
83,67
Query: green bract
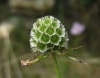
x,y
48,32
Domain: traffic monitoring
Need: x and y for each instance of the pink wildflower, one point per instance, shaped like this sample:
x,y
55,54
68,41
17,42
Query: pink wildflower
x,y
77,28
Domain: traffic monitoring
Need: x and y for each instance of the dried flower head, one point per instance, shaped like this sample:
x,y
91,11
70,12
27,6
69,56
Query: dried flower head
x,y
48,32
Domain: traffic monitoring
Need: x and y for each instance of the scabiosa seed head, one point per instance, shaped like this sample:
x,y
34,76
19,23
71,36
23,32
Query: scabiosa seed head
x,y
48,32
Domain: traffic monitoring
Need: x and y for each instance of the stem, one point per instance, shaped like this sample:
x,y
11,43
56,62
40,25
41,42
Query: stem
x,y
56,65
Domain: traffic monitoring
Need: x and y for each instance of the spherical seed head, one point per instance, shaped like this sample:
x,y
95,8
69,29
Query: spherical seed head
x,y
48,32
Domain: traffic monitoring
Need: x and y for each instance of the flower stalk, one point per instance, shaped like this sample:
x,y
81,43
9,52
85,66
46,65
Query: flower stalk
x,y
56,65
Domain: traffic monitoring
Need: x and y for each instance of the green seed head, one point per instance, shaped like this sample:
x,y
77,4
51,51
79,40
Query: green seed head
x,y
48,32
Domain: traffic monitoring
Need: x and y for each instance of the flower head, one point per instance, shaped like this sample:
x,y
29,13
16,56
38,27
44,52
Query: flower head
x,y
77,28
48,32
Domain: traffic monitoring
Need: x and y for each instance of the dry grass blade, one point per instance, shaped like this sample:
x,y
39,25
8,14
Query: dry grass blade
x,y
6,64
15,65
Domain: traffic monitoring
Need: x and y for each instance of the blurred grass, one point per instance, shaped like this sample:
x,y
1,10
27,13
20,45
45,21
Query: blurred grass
x,y
68,69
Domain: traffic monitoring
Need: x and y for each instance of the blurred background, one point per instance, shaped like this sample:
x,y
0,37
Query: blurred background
x,y
82,21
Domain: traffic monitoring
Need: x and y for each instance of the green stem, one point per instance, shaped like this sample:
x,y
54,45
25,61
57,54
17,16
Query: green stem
x,y
56,65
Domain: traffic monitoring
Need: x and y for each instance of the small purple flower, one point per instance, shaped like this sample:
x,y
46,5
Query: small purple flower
x,y
77,28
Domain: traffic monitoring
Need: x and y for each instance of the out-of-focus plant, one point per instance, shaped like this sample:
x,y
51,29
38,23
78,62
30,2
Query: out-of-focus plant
x,y
6,28
77,28
48,36
86,12
31,6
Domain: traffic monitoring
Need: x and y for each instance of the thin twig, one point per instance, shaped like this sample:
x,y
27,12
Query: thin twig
x,y
76,48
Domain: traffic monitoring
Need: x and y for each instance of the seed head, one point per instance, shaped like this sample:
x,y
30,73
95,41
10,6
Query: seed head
x,y
48,32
